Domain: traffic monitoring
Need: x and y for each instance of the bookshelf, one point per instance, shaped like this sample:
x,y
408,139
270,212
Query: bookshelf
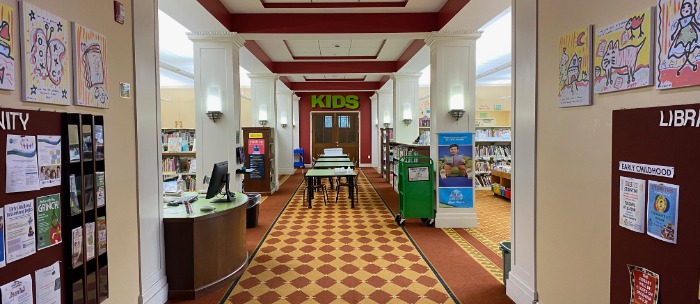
x,y
401,150
492,149
259,145
179,155
500,181
387,137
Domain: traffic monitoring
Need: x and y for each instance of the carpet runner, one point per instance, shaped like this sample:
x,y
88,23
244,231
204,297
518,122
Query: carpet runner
x,y
335,254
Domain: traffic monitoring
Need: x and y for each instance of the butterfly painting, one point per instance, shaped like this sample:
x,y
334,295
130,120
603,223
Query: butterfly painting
x,y
46,56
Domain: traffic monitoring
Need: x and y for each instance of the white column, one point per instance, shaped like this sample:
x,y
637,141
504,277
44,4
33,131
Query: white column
x,y
452,73
284,132
263,93
217,87
264,110
153,283
375,133
385,108
295,122
406,107
522,283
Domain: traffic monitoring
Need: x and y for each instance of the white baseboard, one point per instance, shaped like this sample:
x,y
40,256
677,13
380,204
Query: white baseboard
x,y
157,294
287,171
518,291
455,220
365,165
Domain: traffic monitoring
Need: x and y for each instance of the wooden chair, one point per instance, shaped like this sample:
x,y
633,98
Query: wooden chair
x,y
339,183
314,187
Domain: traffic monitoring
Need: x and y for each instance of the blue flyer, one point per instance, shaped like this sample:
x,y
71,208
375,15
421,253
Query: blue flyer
x,y
455,170
662,211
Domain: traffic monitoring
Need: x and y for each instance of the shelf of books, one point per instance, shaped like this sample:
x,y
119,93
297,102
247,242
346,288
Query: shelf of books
x,y
500,181
85,219
179,155
401,150
387,137
492,149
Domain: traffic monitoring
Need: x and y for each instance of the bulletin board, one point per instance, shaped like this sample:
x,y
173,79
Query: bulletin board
x,y
38,123
657,139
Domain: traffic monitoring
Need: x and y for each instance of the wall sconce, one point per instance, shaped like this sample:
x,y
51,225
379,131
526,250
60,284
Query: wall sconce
x,y
262,115
407,117
457,102
283,120
214,104
376,122
387,120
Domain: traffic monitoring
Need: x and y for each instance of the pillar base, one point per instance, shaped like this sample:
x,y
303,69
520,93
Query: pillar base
x,y
456,218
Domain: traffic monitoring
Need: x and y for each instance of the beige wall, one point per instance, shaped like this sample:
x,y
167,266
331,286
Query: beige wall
x,y
573,160
120,152
490,96
177,104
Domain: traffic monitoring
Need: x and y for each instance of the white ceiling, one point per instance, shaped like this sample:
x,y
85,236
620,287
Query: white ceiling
x,y
492,59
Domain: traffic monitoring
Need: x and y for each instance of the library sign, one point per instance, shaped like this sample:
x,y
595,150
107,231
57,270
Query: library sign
x,y
351,102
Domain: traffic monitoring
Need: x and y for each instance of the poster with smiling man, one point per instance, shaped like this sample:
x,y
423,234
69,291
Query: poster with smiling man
x,y
455,170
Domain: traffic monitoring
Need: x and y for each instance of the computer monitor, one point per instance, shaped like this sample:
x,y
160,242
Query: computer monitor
x,y
219,179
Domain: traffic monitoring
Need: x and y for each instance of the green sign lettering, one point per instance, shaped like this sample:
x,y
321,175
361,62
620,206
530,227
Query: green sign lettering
x,y
351,102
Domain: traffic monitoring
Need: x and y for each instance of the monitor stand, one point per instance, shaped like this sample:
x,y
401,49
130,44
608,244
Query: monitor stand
x,y
229,195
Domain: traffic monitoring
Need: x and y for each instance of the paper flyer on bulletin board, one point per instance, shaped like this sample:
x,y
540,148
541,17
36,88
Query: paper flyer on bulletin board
x,y
20,230
632,199
662,211
455,166
22,173
49,160
644,285
18,291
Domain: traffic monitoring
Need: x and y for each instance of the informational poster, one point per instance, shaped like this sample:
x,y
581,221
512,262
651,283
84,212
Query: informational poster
x,y
89,241
257,163
49,160
416,174
21,239
574,68
455,167
48,284
7,47
46,56
22,173
622,54
662,211
48,220
644,285
256,146
677,44
2,237
632,202
18,291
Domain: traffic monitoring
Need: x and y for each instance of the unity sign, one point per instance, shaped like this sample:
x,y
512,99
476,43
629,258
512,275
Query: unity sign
x,y
335,101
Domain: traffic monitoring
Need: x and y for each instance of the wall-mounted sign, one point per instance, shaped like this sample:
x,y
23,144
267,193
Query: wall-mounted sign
x,y
335,101
498,107
255,135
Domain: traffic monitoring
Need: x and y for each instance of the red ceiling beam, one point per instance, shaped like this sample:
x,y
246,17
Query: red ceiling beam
x,y
344,67
333,4
410,51
332,23
259,53
334,86
334,79
218,10
285,80
448,11
382,81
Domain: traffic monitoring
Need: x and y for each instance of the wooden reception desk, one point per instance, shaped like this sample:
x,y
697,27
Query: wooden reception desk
x,y
204,250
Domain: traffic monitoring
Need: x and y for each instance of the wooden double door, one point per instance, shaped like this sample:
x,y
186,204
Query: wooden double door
x,y
335,130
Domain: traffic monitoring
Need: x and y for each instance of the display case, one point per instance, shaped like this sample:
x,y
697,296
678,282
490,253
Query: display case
x,y
85,216
259,146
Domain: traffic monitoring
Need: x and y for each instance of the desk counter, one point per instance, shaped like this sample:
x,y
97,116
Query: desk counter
x,y
204,250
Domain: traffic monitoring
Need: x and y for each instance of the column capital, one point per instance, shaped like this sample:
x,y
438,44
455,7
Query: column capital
x,y
217,36
385,92
287,92
399,75
296,97
269,76
452,35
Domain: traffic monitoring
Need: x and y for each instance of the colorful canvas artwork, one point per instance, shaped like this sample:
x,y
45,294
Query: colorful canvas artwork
x,y
622,54
7,48
677,46
45,56
574,68
90,59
